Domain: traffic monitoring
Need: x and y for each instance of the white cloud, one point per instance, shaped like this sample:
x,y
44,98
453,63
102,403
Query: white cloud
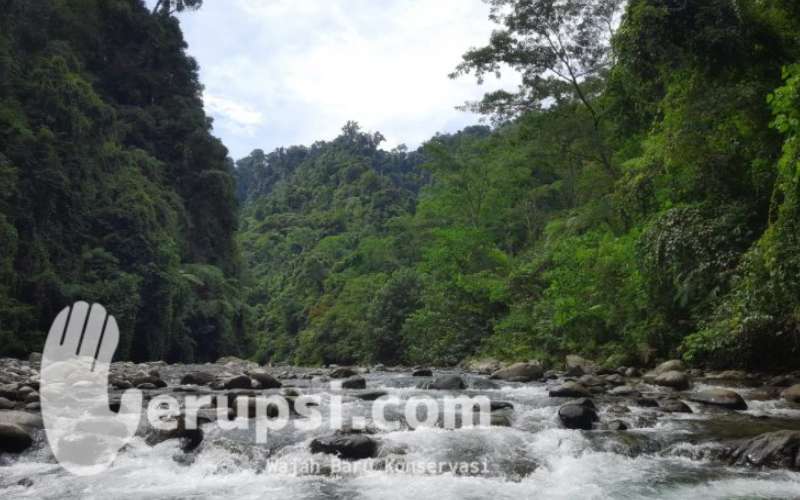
x,y
281,72
235,116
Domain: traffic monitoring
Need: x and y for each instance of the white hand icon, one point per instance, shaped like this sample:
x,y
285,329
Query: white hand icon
x,y
83,432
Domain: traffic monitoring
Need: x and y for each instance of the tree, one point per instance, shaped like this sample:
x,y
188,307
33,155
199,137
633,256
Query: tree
x,y
169,7
561,48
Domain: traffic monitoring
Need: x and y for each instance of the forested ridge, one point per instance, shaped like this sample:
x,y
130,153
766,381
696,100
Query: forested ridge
x,y
636,198
112,188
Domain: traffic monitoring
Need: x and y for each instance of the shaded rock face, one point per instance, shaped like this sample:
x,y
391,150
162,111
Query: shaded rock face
x,y
422,372
675,379
570,390
520,372
779,449
577,416
347,447
720,397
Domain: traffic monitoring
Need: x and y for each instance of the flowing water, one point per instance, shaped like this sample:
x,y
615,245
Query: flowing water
x,y
663,456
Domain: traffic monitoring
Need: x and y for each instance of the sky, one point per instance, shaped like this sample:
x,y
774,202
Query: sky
x,y
284,72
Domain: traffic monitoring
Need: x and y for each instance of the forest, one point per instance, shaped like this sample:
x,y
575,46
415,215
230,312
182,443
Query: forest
x,y
635,199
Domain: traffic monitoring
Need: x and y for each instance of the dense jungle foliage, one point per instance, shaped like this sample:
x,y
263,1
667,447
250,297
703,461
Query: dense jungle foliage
x,y
636,197
112,188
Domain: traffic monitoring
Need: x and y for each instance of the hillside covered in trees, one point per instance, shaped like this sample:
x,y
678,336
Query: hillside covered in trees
x,y
636,198
112,188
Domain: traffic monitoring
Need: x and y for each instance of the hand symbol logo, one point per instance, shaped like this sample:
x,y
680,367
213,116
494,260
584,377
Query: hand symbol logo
x,y
83,432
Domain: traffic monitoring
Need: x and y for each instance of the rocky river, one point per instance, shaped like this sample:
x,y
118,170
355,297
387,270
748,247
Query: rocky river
x,y
580,432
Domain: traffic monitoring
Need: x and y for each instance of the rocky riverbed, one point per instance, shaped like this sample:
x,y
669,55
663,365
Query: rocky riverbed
x,y
577,432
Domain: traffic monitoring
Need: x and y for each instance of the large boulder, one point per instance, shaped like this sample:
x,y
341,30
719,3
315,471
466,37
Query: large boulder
x,y
675,379
13,439
570,390
520,372
346,447
197,378
445,383
674,406
577,416
724,398
356,382
673,365
238,382
483,366
792,394
577,365
264,379
779,449
29,422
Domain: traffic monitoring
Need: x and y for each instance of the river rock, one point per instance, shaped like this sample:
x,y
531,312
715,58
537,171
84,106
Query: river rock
x,y
577,365
422,372
779,449
483,366
197,378
520,372
673,365
781,381
8,391
570,390
265,379
724,398
615,379
28,422
342,372
792,394
13,439
6,404
625,390
481,384
237,382
445,383
501,418
577,416
370,395
617,425
590,381
356,382
674,406
672,378
347,447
